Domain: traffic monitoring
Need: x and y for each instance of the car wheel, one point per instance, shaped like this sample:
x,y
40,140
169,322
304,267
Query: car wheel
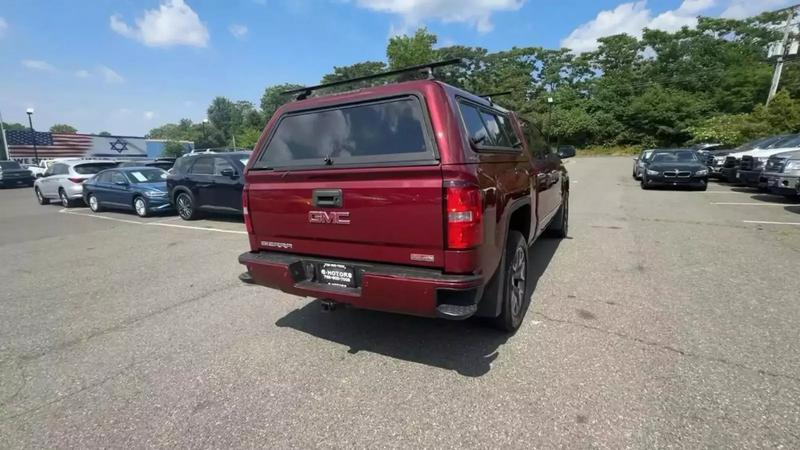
x,y
644,183
65,201
94,203
559,227
41,198
184,203
140,206
515,299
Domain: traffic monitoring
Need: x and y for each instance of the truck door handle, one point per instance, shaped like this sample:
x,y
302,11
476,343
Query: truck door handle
x,y
327,198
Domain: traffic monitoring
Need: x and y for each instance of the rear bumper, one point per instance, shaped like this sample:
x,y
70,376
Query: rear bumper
x,y
382,287
20,181
676,182
748,177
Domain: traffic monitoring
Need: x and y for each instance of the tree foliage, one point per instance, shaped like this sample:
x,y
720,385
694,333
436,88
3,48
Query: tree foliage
x,y
63,128
173,149
663,88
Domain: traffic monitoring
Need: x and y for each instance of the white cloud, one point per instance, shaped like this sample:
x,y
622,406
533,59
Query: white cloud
x,y
81,73
631,18
478,13
238,31
149,115
3,26
173,23
109,75
740,9
35,64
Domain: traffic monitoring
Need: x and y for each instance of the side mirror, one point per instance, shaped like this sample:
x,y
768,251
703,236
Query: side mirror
x,y
228,173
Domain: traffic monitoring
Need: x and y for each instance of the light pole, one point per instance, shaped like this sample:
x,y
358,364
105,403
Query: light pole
x,y
3,136
550,120
33,136
205,138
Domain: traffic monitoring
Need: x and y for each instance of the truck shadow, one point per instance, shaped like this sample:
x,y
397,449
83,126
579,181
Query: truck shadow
x,y
467,347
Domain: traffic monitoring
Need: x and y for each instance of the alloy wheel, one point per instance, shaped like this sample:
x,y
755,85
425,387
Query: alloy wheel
x,y
517,281
184,206
141,208
93,203
64,199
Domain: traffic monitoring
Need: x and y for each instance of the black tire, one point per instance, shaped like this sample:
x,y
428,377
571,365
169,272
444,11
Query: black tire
x,y
644,184
65,201
516,298
140,206
94,203
559,226
703,188
185,206
41,198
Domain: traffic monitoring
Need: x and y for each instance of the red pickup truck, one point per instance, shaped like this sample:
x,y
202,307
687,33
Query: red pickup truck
x,y
415,197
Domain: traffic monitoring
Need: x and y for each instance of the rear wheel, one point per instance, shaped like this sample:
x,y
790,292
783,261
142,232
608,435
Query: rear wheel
x,y
41,198
65,201
94,203
184,203
515,299
140,206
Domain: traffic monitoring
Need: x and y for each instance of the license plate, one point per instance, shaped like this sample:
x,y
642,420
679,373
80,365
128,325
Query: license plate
x,y
20,181
337,275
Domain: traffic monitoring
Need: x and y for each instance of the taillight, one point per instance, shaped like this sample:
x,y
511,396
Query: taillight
x,y
76,179
464,216
248,224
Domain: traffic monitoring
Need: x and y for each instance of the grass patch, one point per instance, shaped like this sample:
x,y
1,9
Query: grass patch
x,y
614,150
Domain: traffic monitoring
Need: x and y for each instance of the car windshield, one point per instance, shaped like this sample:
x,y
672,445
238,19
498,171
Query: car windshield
x,y
9,165
647,154
92,168
152,175
787,142
384,131
681,156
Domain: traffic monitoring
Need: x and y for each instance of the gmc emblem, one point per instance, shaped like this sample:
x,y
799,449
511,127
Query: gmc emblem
x,y
334,217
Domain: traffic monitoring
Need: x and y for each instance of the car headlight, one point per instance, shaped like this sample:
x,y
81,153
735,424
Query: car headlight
x,y
701,173
652,172
792,165
155,194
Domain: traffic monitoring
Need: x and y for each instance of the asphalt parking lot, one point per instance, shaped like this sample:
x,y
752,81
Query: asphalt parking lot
x,y
668,318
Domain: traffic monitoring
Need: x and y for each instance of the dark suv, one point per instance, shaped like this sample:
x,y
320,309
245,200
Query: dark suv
x,y
210,182
415,197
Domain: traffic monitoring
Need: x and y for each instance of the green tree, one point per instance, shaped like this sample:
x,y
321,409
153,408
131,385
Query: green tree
x,y
404,51
173,149
104,133
273,98
354,71
63,128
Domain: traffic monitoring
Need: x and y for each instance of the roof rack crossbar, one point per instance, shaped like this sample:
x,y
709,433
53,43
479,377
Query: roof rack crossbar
x,y
496,94
306,91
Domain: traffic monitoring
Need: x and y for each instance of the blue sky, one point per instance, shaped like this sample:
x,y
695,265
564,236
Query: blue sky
x,y
126,66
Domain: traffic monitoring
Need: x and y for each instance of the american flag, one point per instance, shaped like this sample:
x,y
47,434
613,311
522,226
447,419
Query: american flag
x,y
48,145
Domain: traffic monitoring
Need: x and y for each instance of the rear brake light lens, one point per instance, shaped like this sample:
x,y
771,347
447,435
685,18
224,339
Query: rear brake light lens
x,y
76,180
464,217
248,224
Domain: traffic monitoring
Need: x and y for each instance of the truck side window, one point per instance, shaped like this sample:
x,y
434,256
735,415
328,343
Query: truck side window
x,y
537,144
474,124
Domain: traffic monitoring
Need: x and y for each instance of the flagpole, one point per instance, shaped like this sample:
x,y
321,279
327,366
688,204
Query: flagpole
x,y
5,142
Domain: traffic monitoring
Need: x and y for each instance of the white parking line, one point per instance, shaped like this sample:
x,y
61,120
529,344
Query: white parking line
x,y
174,225
749,204
761,222
158,224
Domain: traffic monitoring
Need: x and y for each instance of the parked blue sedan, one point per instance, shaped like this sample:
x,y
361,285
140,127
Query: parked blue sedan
x,y
141,189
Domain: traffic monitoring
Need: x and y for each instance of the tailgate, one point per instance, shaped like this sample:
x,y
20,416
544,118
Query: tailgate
x,y
391,214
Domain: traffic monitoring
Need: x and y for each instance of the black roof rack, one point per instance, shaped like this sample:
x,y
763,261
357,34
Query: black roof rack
x,y
495,94
306,91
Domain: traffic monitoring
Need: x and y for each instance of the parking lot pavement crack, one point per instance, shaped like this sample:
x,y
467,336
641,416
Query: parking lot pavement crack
x,y
61,398
122,325
668,348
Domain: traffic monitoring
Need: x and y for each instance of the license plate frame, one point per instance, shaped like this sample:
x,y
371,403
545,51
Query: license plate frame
x,y
336,274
